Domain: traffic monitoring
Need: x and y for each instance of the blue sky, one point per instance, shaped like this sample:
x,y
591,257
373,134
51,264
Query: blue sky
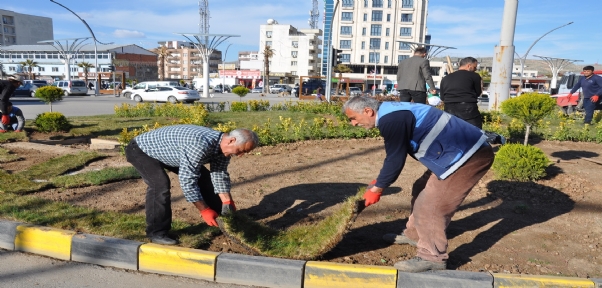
x,y
472,26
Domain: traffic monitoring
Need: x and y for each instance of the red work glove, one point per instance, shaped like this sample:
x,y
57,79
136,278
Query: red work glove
x,y
2,131
228,207
209,216
595,98
5,119
371,198
371,184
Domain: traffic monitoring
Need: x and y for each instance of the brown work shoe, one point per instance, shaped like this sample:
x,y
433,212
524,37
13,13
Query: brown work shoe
x,y
418,264
398,239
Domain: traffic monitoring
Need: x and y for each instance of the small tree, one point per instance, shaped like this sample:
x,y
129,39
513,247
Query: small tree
x,y
49,94
341,68
240,91
86,66
529,108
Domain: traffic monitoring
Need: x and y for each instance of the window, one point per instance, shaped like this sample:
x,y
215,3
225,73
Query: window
x,y
365,3
184,69
293,63
388,17
11,68
268,34
388,3
377,15
295,44
387,31
377,3
375,30
363,45
345,44
268,43
346,58
405,31
404,46
55,69
293,72
386,45
294,54
386,59
365,17
406,17
374,43
345,30
40,56
362,59
401,57
73,69
41,69
407,4
364,31
373,57
347,16
347,3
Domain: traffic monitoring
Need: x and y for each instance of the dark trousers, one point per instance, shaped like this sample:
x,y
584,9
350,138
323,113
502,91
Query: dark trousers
x,y
158,195
589,108
409,95
468,112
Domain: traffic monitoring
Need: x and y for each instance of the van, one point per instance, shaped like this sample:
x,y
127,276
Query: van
x,y
73,87
143,86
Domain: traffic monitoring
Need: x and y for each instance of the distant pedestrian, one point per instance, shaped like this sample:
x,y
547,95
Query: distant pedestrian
x,y
412,76
591,86
90,86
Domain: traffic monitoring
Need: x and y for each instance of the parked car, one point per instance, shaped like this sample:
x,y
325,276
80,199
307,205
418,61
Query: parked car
x,y
355,91
279,88
38,83
166,94
28,89
73,87
370,93
257,90
147,85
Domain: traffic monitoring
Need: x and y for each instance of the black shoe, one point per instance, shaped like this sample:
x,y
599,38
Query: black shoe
x,y
163,240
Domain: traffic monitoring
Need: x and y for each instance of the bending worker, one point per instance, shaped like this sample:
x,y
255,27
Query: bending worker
x,y
456,154
7,88
16,119
184,149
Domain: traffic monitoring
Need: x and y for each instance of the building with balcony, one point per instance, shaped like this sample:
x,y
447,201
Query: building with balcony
x,y
370,34
184,61
135,62
23,29
295,51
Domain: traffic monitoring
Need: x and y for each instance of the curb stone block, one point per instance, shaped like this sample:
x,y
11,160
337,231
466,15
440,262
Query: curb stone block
x,y
597,282
259,271
8,232
105,251
444,278
45,241
513,280
177,261
325,274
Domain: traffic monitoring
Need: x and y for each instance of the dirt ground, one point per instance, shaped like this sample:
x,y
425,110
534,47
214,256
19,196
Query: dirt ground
x,y
548,227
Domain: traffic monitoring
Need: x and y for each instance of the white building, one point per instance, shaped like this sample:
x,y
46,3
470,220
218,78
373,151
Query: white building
x,y
296,51
185,62
23,29
370,33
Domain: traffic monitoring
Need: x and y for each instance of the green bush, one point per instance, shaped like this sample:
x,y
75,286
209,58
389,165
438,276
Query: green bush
x,y
529,108
238,106
520,163
240,91
52,122
49,94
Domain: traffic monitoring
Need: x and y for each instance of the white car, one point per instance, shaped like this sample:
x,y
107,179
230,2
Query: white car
x,y
167,94
128,92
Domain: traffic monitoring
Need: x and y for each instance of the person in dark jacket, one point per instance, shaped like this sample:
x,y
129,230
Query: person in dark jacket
x,y
457,157
17,120
413,75
591,86
7,88
460,90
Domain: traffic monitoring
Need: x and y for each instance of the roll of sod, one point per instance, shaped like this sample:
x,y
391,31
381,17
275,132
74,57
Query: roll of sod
x,y
45,241
105,251
8,232
177,261
511,280
445,278
259,271
324,274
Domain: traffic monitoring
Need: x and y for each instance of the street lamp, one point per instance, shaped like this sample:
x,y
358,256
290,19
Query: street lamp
x,y
224,68
374,56
524,58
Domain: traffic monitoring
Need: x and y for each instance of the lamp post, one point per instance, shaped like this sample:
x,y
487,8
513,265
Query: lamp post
x,y
224,68
375,62
524,58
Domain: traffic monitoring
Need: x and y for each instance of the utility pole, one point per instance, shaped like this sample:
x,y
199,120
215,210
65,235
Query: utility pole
x,y
503,58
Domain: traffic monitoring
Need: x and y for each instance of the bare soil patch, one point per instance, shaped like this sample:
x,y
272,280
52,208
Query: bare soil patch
x,y
551,227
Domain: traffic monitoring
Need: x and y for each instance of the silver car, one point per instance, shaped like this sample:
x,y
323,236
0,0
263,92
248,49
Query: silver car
x,y
73,87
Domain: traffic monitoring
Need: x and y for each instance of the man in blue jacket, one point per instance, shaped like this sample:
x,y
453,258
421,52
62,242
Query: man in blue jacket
x,y
591,85
456,154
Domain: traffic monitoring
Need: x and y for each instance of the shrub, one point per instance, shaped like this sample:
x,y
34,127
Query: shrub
x,y
49,94
238,106
529,108
52,122
240,91
520,163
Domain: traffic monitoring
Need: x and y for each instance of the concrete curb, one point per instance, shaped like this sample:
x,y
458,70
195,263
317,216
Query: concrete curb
x,y
248,270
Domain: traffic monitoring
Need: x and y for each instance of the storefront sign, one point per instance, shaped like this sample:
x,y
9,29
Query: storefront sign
x,y
241,74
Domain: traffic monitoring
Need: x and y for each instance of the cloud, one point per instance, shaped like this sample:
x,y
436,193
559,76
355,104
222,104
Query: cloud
x,y
120,33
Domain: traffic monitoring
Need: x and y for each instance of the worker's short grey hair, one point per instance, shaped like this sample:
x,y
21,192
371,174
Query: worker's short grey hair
x,y
243,136
358,103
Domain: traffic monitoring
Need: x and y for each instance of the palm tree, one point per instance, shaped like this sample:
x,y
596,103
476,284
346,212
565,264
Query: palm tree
x,y
29,65
268,53
86,67
341,68
162,53
484,75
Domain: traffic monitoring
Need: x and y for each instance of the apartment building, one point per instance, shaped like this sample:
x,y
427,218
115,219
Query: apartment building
x,y
23,29
371,35
185,62
296,52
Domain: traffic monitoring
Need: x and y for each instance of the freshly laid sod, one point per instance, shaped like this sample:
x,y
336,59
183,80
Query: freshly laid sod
x,y
304,242
104,176
57,166
7,157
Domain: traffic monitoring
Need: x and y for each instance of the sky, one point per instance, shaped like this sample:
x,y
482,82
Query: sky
x,y
471,26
